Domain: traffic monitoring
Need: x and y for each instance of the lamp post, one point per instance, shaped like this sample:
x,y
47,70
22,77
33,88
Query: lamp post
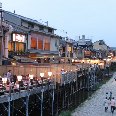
x,y
19,77
27,97
4,80
31,79
42,75
49,74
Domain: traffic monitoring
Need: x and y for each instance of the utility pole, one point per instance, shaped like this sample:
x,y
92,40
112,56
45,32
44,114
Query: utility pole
x,y
1,34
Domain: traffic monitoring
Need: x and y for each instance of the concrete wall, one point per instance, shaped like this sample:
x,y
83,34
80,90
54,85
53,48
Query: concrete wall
x,y
54,44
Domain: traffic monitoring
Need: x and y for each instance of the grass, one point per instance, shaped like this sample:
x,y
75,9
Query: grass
x,y
65,113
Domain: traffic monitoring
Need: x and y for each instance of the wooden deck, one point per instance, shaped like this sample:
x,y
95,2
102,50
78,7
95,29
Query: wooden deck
x,y
23,93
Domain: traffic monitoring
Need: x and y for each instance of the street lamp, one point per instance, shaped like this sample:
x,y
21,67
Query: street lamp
x,y
19,77
42,75
4,80
31,78
50,74
49,79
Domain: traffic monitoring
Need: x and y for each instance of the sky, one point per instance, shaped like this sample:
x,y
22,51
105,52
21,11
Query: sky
x,y
96,19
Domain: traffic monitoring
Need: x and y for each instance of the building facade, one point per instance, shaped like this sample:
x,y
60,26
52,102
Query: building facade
x,y
102,49
84,49
30,36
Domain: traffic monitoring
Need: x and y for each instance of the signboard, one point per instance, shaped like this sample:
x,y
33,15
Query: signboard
x,y
18,37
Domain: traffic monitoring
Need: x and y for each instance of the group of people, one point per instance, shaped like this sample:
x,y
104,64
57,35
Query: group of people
x,y
109,102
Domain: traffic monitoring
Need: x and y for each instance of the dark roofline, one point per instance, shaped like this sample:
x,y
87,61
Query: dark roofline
x,y
28,19
99,41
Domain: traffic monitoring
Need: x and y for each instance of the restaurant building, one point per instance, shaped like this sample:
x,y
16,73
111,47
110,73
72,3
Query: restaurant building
x,y
30,37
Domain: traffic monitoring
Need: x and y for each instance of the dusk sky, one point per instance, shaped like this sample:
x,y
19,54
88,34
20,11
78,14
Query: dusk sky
x,y
96,19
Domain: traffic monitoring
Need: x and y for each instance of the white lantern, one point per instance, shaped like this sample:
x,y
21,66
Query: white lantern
x,y
19,77
49,74
4,79
41,74
31,76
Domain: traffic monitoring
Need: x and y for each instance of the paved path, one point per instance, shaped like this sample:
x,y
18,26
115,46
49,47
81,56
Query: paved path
x,y
94,106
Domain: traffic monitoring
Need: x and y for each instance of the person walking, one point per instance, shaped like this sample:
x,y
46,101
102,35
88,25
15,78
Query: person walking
x,y
106,104
112,103
107,94
110,97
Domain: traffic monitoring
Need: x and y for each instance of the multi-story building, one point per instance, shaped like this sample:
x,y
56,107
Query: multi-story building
x,y
67,48
30,36
101,48
85,47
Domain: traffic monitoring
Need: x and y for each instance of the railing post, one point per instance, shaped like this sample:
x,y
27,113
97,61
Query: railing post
x,y
9,108
27,103
9,100
53,102
42,102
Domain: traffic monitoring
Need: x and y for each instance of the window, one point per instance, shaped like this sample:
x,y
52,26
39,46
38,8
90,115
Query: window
x,y
40,44
31,25
11,46
33,43
19,46
41,28
50,30
46,43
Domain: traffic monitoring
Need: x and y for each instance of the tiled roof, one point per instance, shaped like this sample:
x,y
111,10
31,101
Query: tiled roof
x,y
27,19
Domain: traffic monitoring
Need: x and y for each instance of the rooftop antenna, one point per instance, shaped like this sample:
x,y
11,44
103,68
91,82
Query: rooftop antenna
x,y
79,37
46,23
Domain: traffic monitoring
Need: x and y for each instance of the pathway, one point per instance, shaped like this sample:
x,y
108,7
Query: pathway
x,y
94,105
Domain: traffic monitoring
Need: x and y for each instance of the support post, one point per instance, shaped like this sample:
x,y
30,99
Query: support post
x,y
9,101
42,102
53,101
1,36
27,103
9,108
